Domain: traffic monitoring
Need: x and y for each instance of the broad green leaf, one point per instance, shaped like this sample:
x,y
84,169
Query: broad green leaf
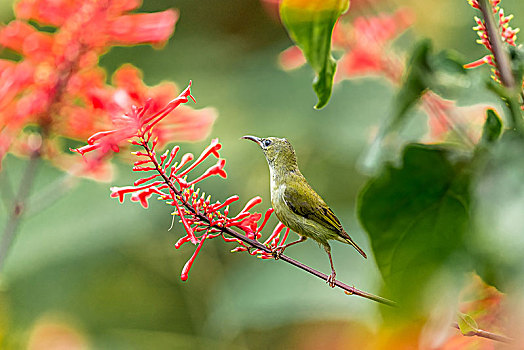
x,y
416,216
498,207
414,85
426,70
492,128
449,77
467,324
310,24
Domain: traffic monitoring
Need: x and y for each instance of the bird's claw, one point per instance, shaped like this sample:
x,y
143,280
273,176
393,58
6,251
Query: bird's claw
x,y
331,279
277,252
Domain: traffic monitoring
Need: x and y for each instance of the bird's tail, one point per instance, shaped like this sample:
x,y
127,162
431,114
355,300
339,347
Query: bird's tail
x,y
350,241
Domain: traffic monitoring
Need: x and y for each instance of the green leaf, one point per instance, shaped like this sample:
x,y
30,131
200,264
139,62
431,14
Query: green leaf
x,y
310,25
492,128
425,70
498,194
467,324
449,77
416,217
415,82
511,98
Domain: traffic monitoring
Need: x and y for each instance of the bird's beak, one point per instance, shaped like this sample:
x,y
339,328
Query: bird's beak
x,y
258,140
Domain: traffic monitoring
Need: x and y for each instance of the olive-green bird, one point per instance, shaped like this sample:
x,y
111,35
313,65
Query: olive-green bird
x,y
296,204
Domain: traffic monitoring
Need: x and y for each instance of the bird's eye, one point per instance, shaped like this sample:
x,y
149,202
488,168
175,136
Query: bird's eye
x,y
267,143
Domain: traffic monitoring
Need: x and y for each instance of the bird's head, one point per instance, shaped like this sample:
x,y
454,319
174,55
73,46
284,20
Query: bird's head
x,y
279,152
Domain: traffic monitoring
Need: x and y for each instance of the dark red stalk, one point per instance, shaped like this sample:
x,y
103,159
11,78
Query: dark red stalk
x,y
501,57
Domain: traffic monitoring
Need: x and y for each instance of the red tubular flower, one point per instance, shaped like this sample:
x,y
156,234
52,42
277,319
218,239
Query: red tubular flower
x,y
488,59
169,181
189,263
25,39
155,27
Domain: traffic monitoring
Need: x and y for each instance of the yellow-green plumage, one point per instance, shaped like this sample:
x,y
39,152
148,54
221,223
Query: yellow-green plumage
x,y
296,204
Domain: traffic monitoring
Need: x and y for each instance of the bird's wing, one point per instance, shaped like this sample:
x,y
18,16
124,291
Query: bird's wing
x,y
311,206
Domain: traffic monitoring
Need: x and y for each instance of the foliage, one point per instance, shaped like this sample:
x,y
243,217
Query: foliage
x,y
438,212
442,206
417,218
310,25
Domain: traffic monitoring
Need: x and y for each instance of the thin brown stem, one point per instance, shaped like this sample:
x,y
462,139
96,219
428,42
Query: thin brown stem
x,y
6,191
256,244
488,335
45,121
19,206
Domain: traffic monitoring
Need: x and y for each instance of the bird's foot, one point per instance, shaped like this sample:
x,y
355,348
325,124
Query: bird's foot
x,y
331,279
277,252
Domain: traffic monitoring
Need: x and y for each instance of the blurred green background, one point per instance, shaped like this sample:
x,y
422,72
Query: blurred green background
x,y
106,275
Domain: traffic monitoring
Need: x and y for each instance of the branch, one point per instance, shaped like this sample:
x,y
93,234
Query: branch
x,y
6,192
19,205
503,64
486,334
45,120
255,244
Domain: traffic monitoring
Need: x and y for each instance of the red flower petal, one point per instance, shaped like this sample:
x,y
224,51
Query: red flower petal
x,y
186,124
145,27
26,40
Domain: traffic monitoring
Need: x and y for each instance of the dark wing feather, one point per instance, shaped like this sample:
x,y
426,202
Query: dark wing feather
x,y
312,206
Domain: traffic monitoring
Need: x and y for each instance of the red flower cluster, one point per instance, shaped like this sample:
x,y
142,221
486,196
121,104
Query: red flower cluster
x,y
58,85
272,242
494,4
168,179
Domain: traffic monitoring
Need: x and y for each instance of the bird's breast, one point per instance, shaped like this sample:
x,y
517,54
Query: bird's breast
x,y
283,212
277,201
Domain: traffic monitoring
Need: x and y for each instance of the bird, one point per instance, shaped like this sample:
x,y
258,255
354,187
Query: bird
x,y
296,204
